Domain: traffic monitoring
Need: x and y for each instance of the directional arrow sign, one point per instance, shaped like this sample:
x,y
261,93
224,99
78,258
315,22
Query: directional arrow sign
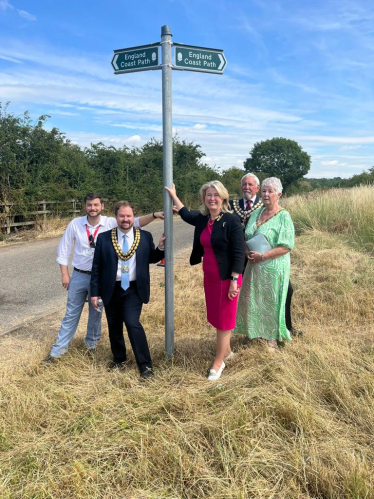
x,y
192,58
136,59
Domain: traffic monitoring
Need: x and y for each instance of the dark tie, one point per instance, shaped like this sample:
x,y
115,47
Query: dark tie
x,y
248,207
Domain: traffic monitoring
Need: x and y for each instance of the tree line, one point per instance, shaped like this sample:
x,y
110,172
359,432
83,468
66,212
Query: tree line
x,y
40,164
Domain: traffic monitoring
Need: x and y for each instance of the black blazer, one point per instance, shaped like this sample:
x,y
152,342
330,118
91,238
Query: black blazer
x,y
241,205
105,262
227,241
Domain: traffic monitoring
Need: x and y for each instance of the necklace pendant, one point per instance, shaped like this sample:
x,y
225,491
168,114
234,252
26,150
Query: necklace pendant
x,y
125,268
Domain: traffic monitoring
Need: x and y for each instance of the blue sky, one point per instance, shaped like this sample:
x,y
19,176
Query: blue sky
x,y
300,70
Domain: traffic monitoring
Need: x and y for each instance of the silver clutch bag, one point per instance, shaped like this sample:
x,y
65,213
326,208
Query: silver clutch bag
x,y
260,244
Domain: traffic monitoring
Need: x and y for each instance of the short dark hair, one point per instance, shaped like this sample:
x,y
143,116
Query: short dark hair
x,y
121,204
91,196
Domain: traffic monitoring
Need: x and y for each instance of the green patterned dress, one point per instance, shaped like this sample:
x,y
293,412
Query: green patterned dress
x,y
262,298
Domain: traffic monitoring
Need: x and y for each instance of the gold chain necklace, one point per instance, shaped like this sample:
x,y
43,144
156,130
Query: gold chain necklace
x,y
245,214
117,248
258,221
217,219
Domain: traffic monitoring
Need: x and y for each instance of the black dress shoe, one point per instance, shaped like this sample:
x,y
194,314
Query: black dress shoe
x,y
90,352
147,374
114,366
49,360
296,332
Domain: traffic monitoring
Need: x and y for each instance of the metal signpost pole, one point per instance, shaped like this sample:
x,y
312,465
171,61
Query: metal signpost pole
x,y
187,58
168,181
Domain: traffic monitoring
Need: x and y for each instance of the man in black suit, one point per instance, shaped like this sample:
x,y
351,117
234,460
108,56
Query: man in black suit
x,y
243,208
120,276
250,201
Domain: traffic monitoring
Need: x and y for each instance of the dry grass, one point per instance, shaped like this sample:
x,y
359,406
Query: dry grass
x,y
52,227
348,213
297,424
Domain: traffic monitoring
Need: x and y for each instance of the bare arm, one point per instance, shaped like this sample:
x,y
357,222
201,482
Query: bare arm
x,y
147,219
173,194
65,276
255,257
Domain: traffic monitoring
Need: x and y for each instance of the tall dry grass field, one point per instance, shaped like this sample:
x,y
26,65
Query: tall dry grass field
x,y
295,424
347,212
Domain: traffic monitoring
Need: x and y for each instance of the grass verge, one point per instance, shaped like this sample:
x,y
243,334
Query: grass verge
x,y
295,424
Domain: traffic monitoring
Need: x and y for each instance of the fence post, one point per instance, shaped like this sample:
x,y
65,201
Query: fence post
x,y
7,218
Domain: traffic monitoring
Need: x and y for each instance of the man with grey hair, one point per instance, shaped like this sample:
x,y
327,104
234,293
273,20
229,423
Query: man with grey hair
x,y
250,201
243,208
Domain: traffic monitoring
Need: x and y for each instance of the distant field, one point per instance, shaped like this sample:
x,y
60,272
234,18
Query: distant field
x,y
294,425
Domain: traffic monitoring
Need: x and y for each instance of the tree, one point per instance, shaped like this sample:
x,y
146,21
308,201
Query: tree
x,y
231,179
278,157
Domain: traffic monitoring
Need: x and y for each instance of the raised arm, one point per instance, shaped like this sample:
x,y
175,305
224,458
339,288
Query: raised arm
x,y
189,216
147,219
173,194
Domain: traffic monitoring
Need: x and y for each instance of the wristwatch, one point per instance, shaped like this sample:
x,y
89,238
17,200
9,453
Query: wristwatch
x,y
232,278
153,214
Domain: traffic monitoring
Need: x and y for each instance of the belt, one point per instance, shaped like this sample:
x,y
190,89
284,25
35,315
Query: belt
x,y
83,271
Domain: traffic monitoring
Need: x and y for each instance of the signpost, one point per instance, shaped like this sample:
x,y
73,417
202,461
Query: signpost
x,y
186,58
193,58
134,59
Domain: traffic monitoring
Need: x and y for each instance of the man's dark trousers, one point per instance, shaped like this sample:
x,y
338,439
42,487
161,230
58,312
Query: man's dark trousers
x,y
126,307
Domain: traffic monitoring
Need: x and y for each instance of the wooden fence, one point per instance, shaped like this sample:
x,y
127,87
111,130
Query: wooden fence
x,y
11,217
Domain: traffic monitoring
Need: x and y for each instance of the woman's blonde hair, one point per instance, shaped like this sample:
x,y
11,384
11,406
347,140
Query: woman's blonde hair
x,y
222,192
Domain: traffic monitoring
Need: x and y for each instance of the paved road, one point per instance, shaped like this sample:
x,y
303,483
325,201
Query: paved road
x,y
30,279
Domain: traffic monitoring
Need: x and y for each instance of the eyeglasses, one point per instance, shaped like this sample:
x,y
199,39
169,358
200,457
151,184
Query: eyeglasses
x,y
92,241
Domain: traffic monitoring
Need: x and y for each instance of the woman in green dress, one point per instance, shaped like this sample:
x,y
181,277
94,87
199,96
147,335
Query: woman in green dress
x,y
263,293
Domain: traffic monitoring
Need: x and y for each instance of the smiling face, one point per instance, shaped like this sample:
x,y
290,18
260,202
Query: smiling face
x,y
125,218
249,187
94,207
269,196
213,201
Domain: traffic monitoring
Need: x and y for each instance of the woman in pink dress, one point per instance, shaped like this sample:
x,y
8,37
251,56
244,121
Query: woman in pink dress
x,y
218,239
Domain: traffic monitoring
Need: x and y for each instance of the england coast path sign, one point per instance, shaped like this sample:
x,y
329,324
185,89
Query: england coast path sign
x,y
192,58
141,58
186,58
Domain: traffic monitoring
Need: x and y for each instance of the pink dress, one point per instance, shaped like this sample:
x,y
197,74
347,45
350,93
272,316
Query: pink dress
x,y
221,311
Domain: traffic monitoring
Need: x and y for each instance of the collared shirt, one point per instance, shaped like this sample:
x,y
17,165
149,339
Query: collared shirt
x,y
76,234
252,200
132,262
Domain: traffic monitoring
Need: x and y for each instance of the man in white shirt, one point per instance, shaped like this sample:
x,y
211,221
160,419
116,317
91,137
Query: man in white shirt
x,y
83,232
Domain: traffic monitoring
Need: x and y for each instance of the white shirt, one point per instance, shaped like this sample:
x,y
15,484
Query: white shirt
x,y
76,234
132,262
252,199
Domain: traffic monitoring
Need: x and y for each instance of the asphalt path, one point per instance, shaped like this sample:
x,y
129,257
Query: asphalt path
x,y
30,278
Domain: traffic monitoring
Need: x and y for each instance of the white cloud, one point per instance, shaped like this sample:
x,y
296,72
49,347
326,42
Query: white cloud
x,y
11,59
26,15
133,138
349,148
337,140
4,5
198,126
333,163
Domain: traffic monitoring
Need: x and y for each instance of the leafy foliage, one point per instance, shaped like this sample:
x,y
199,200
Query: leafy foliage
x,y
279,157
38,164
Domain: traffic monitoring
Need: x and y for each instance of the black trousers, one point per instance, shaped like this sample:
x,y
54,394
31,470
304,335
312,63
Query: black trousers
x,y
288,307
126,307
